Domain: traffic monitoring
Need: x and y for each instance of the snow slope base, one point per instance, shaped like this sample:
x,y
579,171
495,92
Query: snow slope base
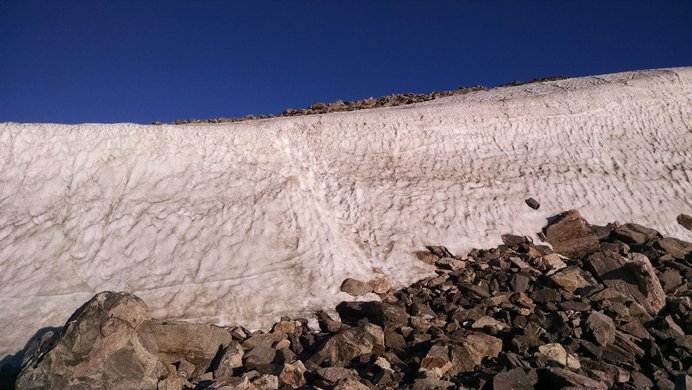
x,y
241,223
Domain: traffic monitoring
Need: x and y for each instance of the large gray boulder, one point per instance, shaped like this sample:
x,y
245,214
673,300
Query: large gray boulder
x,y
106,344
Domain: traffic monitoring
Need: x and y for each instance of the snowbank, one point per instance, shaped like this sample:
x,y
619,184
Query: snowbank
x,y
244,222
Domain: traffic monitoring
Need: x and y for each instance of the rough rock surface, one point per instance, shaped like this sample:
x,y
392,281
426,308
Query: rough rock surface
x,y
108,343
615,315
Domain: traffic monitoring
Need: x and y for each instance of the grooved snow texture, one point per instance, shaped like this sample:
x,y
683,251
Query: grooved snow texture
x,y
241,223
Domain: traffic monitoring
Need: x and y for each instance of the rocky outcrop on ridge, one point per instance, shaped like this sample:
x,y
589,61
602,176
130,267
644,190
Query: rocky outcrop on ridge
x,y
398,99
615,313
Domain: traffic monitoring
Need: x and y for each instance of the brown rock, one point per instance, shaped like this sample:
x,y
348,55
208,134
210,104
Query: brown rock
x,y
379,285
572,278
685,221
601,327
571,235
677,248
533,203
560,378
386,315
632,233
514,379
469,350
293,374
196,343
106,344
355,287
349,344
635,279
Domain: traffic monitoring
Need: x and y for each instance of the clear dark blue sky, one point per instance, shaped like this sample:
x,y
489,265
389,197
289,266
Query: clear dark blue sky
x,y
140,60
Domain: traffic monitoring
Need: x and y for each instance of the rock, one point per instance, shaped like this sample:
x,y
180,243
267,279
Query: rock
x,y
293,374
514,379
601,327
572,278
379,285
571,235
266,382
106,344
489,322
436,362
350,384
349,344
533,203
671,280
327,324
677,248
259,357
232,358
196,343
519,282
635,279
555,352
641,381
685,221
469,350
632,233
427,257
553,262
335,374
439,251
432,384
355,287
386,315
450,263
514,241
560,378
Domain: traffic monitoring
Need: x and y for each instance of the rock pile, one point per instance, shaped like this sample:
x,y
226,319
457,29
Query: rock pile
x,y
615,313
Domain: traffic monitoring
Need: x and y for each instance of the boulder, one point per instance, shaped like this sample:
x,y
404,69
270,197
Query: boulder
x,y
343,347
355,287
107,343
293,374
196,343
231,359
571,235
635,278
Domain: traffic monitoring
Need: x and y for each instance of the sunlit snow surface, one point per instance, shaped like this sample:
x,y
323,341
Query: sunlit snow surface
x,y
241,223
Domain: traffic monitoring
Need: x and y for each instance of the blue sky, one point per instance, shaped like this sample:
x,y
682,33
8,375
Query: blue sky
x,y
140,61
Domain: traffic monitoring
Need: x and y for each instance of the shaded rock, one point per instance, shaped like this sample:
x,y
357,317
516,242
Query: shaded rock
x,y
349,344
572,278
196,343
571,235
335,374
106,344
327,324
677,248
632,233
519,282
386,315
514,379
436,362
355,287
432,384
558,378
601,327
685,221
259,357
231,358
635,279
533,203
